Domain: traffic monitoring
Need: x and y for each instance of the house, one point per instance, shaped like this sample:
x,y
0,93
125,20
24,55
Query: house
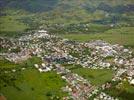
x,y
42,31
132,82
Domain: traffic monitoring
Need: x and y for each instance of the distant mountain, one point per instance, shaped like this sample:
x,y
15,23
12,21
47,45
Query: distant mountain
x,y
65,16
116,9
90,5
29,5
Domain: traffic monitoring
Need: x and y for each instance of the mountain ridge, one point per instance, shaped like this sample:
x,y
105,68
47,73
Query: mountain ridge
x,y
47,5
65,16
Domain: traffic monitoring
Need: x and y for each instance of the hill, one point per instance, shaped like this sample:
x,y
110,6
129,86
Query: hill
x,y
47,5
65,16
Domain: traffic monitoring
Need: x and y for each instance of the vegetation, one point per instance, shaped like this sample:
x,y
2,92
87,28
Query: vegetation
x,y
32,6
29,83
61,17
6,64
31,61
80,20
114,38
3,49
9,26
95,76
33,85
124,91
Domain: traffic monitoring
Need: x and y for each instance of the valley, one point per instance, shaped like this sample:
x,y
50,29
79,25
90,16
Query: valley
x,y
67,50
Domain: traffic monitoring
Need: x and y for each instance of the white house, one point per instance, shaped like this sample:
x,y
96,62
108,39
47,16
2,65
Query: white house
x,y
132,82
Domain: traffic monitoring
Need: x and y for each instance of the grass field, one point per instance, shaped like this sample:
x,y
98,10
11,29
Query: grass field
x,y
125,91
29,84
95,76
123,36
31,61
7,64
32,85
10,26
123,39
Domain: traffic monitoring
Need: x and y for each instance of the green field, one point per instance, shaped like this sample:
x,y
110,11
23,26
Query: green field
x,y
7,64
123,39
10,26
32,85
95,76
29,84
125,91
31,61
126,39
17,22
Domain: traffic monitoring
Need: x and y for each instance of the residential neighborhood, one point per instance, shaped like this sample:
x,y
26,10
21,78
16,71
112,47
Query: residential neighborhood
x,y
55,52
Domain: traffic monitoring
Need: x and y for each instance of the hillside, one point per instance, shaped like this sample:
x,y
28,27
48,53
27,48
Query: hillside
x,y
47,5
30,5
65,16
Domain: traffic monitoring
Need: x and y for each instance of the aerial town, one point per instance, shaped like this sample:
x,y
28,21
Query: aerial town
x,y
57,53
